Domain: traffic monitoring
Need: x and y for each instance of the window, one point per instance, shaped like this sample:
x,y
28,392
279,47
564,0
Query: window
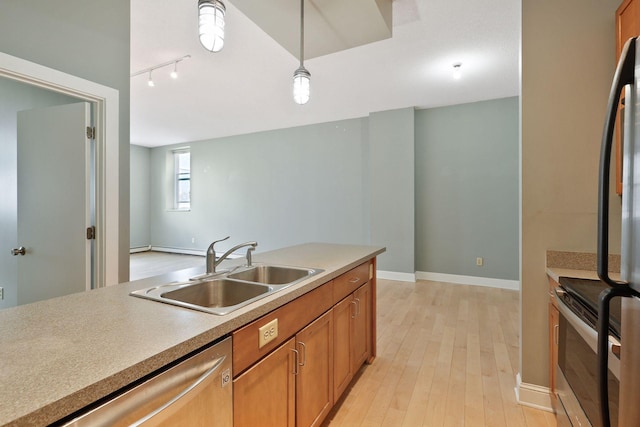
x,y
182,179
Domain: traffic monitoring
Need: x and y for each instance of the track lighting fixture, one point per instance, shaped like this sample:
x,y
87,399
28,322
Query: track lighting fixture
x,y
173,74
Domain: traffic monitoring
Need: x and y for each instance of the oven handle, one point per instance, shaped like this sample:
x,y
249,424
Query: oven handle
x,y
588,334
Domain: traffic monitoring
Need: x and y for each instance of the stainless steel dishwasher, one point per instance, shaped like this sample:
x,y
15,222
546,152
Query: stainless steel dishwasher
x,y
195,392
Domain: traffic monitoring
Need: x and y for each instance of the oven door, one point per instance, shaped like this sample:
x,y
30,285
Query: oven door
x,y
577,371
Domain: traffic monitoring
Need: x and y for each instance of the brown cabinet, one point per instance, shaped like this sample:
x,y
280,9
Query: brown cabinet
x,y
293,385
352,336
554,321
627,26
314,343
342,338
314,381
362,325
264,395
553,345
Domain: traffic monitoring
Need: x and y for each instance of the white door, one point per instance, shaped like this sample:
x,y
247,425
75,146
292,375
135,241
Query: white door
x,y
53,253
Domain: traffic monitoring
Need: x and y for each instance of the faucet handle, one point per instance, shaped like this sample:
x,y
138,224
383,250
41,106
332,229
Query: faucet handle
x,y
221,240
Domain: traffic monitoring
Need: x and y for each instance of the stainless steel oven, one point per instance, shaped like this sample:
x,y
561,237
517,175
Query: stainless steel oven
x,y
577,370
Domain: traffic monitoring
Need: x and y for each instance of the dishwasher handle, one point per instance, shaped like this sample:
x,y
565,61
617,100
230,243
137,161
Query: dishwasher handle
x,y
170,394
203,380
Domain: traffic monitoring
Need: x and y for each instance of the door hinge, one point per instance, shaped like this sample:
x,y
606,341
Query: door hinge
x,y
91,132
91,233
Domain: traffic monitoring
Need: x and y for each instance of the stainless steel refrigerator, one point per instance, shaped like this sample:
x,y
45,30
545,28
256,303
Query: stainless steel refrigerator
x,y
627,81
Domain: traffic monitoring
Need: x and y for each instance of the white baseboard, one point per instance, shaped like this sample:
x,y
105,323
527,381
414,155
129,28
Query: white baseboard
x,y
469,280
394,275
179,250
533,395
139,249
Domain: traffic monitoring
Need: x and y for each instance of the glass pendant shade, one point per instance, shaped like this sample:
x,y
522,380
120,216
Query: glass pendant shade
x,y
211,24
301,85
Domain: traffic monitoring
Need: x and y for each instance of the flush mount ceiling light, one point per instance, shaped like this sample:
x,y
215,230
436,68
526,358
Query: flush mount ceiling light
x,y
301,77
457,73
173,74
211,24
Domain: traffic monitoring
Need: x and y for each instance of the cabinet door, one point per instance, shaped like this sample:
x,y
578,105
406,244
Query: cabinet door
x,y
342,338
314,383
362,326
265,394
554,320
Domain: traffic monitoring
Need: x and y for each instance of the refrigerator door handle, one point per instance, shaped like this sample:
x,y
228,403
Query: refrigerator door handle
x,y
604,300
624,75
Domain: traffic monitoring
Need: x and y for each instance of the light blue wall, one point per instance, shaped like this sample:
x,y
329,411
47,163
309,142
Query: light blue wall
x,y
88,39
140,196
437,187
467,189
391,145
280,188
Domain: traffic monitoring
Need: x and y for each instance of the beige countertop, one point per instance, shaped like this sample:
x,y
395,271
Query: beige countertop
x,y
62,354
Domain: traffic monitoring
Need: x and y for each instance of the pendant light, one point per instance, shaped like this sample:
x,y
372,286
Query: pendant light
x,y
211,24
302,76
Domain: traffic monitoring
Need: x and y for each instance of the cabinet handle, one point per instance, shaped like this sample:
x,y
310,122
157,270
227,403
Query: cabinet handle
x,y
295,363
355,310
304,354
556,328
354,280
357,307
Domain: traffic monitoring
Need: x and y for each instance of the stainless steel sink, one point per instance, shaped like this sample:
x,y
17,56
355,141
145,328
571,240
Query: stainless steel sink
x,y
223,293
217,296
272,274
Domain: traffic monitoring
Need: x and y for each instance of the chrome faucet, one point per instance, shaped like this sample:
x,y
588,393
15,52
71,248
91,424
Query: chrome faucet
x,y
212,262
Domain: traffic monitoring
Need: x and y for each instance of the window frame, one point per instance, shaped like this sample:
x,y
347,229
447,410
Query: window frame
x,y
178,177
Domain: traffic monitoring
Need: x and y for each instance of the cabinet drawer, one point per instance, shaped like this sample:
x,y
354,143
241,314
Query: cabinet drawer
x,y
292,317
350,281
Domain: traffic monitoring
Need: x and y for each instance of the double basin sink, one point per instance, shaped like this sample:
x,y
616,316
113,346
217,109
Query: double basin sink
x,y
222,293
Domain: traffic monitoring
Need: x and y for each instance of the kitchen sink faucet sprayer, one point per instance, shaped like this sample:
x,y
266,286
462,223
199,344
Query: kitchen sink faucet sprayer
x,y
212,262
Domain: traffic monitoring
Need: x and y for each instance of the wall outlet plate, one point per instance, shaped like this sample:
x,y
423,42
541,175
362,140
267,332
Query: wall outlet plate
x,y
479,261
268,333
1,293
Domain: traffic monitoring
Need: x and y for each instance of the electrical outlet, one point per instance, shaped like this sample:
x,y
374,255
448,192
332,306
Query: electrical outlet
x,y
479,261
193,240
268,333
1,293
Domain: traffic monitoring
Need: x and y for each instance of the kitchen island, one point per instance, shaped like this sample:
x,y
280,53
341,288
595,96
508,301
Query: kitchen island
x,y
63,354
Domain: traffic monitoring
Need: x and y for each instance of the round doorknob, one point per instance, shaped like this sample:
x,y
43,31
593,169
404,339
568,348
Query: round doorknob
x,y
18,251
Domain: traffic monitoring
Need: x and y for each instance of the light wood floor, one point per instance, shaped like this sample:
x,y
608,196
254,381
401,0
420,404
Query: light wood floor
x,y
447,356
148,264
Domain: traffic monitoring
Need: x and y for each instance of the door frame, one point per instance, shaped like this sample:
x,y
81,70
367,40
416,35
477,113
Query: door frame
x,y
105,101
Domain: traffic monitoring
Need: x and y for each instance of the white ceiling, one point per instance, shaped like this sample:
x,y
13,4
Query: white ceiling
x,y
247,87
